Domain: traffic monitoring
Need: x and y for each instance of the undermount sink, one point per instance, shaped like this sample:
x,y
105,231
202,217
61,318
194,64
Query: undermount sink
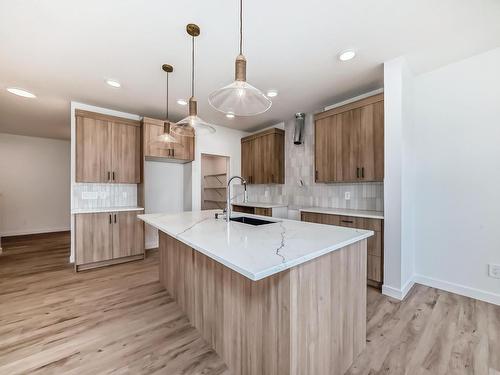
x,y
251,220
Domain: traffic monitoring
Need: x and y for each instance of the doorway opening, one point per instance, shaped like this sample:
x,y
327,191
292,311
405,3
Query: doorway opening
x,y
214,171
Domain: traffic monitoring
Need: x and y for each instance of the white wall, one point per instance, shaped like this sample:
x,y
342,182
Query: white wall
x,y
164,193
457,219
225,142
399,179
34,185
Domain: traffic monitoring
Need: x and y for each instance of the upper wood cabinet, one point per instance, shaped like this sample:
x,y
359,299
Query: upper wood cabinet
x,y
152,128
349,142
108,149
262,157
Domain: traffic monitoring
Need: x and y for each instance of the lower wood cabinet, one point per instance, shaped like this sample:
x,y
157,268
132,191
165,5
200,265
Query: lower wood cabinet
x,y
253,210
375,244
102,239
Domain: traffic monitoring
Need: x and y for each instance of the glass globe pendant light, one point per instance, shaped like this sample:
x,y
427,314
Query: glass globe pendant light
x,y
240,98
188,125
166,140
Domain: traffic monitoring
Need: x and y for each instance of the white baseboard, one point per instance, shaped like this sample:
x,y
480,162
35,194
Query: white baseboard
x,y
33,231
398,294
463,290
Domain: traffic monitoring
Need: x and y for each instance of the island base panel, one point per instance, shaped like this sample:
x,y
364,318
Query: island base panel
x,y
310,319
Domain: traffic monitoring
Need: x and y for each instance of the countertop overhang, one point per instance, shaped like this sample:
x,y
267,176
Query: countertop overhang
x,y
255,252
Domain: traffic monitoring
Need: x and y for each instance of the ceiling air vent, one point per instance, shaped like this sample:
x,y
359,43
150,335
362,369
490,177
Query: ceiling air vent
x,y
298,136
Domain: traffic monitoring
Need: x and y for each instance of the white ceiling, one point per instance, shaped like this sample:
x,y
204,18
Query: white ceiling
x,y
64,50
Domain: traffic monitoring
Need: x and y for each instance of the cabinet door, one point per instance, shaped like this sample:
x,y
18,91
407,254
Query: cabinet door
x,y
187,151
247,161
126,151
277,157
264,211
347,164
371,142
93,238
325,150
128,234
93,154
151,131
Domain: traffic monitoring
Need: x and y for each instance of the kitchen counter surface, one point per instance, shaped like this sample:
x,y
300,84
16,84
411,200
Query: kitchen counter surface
x,y
254,251
260,205
105,209
345,212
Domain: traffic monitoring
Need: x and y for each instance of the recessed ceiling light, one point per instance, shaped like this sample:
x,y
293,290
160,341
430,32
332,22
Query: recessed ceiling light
x,y
113,83
230,115
347,55
182,102
272,93
21,92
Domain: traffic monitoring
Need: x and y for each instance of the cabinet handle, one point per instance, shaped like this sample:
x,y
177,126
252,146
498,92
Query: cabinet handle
x,y
113,176
109,175
357,172
347,221
363,172
173,152
110,218
115,218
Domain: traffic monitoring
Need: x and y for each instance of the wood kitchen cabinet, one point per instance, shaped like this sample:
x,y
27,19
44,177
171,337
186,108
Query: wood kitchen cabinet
x,y
93,238
375,244
262,157
349,142
107,238
152,128
263,211
128,234
108,149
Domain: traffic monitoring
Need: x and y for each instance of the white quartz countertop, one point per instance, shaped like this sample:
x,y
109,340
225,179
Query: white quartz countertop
x,y
254,251
345,212
260,205
105,209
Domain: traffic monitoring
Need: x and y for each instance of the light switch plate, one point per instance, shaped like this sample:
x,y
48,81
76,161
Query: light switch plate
x,y
347,195
494,270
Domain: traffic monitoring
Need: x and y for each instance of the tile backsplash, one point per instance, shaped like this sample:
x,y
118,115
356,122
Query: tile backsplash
x,y
86,195
300,190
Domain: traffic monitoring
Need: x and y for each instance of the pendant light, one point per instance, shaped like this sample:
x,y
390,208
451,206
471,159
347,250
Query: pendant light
x,y
166,140
192,122
240,98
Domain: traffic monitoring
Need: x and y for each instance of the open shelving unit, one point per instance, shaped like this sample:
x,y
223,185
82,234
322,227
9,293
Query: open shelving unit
x,y
213,189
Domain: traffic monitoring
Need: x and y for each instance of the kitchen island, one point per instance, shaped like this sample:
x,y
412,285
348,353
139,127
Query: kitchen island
x,y
286,297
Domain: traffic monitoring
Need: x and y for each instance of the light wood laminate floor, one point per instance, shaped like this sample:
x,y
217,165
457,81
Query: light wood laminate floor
x,y
119,320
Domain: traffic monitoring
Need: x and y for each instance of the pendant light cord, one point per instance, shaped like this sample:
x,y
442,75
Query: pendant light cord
x,y
192,69
167,99
241,27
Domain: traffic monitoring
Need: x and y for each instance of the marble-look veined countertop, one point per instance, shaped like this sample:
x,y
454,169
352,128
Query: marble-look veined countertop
x,y
254,251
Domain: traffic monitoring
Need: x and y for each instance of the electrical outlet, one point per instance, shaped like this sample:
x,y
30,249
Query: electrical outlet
x,y
494,271
347,195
